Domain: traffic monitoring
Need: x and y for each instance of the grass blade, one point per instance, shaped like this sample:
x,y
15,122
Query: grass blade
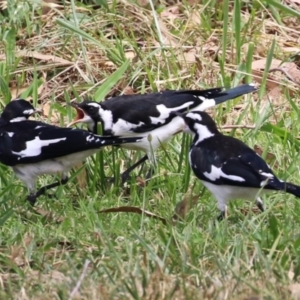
x,y
237,30
283,8
267,68
110,82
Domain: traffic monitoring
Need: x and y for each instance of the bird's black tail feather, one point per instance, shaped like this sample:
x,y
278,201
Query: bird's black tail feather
x,y
234,93
218,95
116,140
292,189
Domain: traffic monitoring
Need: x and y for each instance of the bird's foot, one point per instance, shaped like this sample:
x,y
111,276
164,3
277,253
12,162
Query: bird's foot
x,y
32,199
51,196
260,204
221,216
111,179
149,174
124,178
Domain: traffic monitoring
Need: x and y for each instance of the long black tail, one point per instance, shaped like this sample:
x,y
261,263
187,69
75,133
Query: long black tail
x,y
234,93
115,140
219,95
292,189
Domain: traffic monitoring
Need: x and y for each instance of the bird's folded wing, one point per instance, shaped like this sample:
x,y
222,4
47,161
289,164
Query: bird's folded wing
x,y
150,111
245,170
30,144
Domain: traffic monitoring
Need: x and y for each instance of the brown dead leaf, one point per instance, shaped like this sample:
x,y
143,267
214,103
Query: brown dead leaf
x,y
295,290
291,49
184,206
130,55
194,18
134,209
293,3
289,69
17,91
47,6
279,71
50,113
54,277
50,216
141,182
128,90
53,59
17,255
168,38
170,13
270,157
254,210
190,56
275,93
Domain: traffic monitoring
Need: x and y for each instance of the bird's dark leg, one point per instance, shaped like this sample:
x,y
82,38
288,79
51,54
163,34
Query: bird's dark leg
x,y
222,205
260,204
33,197
150,172
221,216
126,175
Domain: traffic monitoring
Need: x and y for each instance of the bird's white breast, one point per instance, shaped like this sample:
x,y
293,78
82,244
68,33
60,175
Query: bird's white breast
x,y
62,164
153,139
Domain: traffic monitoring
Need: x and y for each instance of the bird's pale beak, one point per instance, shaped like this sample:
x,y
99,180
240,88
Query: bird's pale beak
x,y
184,126
37,111
80,114
177,114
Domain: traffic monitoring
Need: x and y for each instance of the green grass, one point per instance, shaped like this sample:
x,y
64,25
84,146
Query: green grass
x,y
121,47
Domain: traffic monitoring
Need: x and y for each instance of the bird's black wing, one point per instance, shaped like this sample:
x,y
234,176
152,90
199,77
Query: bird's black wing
x,y
230,162
147,112
144,113
32,142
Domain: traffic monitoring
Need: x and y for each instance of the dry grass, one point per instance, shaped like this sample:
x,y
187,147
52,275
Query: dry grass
x,y
51,60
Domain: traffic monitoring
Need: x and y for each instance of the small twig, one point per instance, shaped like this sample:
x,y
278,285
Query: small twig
x,y
79,282
285,73
238,126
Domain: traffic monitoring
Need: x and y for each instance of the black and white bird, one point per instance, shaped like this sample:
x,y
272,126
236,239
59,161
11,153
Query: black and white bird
x,y
35,148
150,115
16,111
227,167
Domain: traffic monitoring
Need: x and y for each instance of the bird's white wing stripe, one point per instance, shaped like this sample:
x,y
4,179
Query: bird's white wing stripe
x,y
34,147
217,173
123,127
17,119
268,175
207,103
165,112
28,111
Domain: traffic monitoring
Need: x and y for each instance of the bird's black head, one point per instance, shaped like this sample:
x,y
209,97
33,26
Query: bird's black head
x,y
17,110
199,123
87,112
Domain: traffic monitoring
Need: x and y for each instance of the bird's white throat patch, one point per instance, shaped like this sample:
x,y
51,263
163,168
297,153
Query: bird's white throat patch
x,y
194,116
203,132
107,118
